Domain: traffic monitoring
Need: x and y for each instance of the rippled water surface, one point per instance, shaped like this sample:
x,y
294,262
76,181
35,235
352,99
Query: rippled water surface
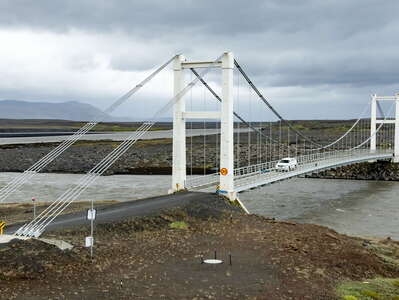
x,y
366,208
46,187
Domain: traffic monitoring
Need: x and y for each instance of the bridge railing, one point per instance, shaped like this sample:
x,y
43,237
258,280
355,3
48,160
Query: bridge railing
x,y
311,163
202,180
304,161
258,168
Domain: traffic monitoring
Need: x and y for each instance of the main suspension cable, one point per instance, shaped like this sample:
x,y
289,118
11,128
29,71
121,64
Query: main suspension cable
x,y
235,114
269,105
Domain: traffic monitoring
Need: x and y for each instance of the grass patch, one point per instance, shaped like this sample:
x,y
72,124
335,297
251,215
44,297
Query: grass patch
x,y
178,225
387,251
350,298
374,289
153,142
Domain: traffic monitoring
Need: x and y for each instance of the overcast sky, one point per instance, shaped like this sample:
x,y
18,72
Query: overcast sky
x,y
312,59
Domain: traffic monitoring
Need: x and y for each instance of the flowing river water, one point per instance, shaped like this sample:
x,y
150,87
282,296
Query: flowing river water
x,y
365,208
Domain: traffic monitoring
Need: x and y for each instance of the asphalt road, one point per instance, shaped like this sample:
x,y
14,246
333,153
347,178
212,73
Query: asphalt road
x,y
123,210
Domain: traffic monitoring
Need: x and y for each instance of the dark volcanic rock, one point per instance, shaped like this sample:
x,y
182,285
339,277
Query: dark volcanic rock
x,y
380,170
29,259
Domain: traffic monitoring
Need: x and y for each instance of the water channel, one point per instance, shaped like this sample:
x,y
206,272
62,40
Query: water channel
x,y
365,208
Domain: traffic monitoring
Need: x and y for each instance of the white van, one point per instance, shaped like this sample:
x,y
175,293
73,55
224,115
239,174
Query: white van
x,y
287,164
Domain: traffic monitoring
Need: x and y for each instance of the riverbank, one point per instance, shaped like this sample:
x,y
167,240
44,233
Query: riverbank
x,y
159,257
147,157
379,170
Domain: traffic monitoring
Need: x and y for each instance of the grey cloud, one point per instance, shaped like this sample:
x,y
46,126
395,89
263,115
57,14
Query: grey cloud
x,y
348,47
223,17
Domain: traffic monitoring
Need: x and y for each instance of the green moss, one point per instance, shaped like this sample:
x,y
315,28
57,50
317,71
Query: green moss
x,y
350,297
371,294
373,289
178,225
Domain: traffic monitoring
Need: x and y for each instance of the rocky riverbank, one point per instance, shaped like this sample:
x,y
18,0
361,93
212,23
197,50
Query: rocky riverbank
x,y
159,257
146,157
380,170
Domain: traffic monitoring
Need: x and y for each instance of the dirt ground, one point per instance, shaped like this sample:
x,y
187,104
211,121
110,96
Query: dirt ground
x,y
152,258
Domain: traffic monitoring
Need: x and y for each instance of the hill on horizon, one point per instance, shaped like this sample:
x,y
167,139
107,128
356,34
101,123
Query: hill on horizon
x,y
71,110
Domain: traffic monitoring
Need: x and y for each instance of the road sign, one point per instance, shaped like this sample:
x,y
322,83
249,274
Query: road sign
x,y
89,241
2,225
91,214
224,171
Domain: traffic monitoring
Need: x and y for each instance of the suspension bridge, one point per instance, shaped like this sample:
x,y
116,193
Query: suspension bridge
x,y
252,136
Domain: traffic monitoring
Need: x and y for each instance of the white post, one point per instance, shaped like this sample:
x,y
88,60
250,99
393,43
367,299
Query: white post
x,y
179,130
227,128
373,124
396,145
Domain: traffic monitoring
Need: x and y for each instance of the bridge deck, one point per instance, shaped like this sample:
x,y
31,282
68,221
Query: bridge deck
x,y
257,175
260,179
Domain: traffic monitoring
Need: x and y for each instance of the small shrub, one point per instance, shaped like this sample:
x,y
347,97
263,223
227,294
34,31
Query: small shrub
x,y
371,294
371,289
178,225
350,297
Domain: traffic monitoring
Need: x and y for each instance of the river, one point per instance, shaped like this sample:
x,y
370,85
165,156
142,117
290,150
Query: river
x,y
365,208
113,136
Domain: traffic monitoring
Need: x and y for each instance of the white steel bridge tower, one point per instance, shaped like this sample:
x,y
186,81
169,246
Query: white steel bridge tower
x,y
225,116
374,121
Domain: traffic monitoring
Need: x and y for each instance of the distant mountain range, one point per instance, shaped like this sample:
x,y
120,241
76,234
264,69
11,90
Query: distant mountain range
x,y
72,110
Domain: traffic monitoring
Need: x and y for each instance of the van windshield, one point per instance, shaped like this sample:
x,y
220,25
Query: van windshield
x,y
284,161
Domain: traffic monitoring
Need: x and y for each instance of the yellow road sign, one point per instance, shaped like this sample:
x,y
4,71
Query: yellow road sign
x,y
2,225
224,171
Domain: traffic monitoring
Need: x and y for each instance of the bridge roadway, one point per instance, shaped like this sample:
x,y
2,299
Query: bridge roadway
x,y
262,174
124,210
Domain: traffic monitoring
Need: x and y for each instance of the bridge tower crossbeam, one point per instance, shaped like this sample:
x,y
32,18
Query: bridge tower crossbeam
x,y
375,121
226,117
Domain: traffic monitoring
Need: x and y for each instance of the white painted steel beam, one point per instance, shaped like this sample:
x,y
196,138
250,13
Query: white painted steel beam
x,y
179,129
385,121
227,129
386,98
200,64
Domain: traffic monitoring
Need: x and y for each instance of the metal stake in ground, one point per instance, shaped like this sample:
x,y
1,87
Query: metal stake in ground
x,y
34,207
